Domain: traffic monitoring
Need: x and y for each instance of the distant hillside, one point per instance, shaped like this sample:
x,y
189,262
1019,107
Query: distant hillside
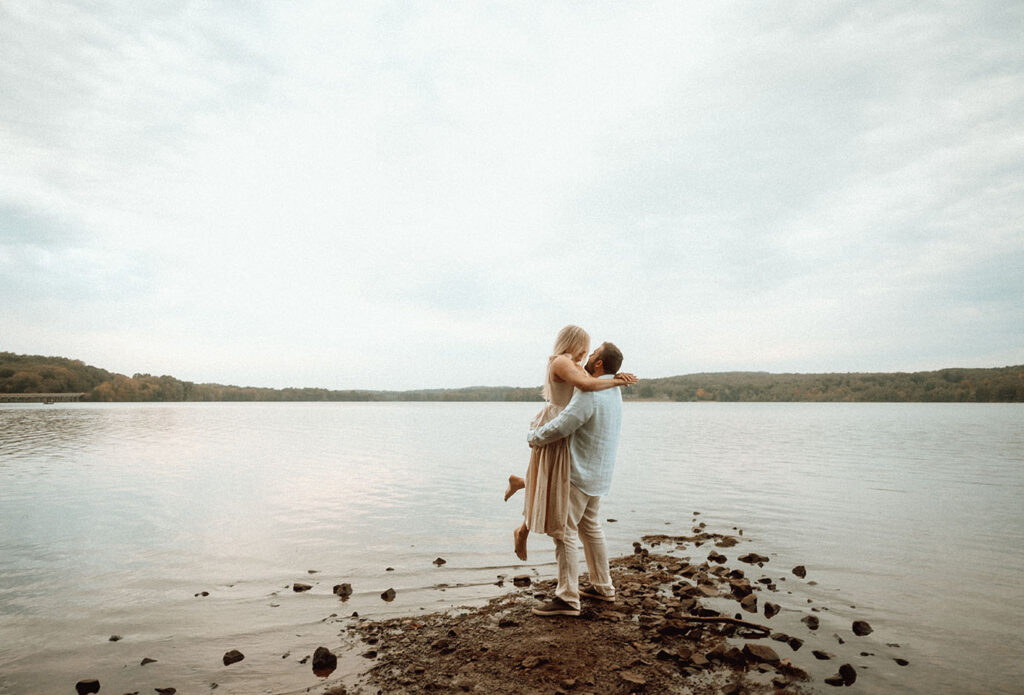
x,y
38,374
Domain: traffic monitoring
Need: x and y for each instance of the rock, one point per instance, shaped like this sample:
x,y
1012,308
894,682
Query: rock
x,y
839,639
147,661
203,593
780,636
299,587
232,657
760,653
324,660
822,655
800,571
343,590
166,691
389,569
727,542
440,561
771,610
901,662
611,521
749,603
666,655
811,621
795,643
632,679
372,654
714,556
699,660
388,595
753,559
861,628
87,686
848,673
115,638
522,580
836,680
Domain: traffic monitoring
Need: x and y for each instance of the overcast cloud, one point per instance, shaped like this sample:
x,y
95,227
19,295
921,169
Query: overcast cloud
x,y
406,195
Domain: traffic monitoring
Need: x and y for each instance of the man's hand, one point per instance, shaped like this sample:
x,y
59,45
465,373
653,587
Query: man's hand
x,y
626,379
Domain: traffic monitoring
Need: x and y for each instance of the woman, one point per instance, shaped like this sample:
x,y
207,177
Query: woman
x,y
547,477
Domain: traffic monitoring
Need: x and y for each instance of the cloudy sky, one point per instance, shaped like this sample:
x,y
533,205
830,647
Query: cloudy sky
x,y
405,195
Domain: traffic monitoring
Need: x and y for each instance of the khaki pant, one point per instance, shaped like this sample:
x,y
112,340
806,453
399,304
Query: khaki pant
x,y
582,524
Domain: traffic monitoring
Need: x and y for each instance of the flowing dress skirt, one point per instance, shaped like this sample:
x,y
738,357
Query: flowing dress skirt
x,y
547,480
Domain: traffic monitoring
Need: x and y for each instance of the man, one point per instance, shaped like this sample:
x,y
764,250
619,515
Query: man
x,y
593,419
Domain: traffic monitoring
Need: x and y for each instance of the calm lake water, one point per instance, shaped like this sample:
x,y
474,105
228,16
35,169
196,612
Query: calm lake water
x,y
113,518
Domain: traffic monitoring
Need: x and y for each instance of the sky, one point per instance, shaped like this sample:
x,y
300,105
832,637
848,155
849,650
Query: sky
x,y
420,195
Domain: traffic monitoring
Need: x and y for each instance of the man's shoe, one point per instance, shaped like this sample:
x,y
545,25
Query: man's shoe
x,y
590,592
556,607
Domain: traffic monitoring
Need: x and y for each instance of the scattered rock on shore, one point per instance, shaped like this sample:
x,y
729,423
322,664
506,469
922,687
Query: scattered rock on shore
x,y
343,590
440,561
388,595
299,587
86,687
861,628
233,657
324,661
800,571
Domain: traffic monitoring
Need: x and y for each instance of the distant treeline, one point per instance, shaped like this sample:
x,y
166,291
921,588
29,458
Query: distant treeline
x,y
37,374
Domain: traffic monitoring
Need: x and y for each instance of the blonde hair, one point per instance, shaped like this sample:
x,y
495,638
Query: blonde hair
x,y
571,339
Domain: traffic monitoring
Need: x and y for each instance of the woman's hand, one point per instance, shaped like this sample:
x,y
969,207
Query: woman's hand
x,y
625,378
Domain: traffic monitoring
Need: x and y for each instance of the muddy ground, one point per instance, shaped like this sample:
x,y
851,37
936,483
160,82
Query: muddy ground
x,y
658,637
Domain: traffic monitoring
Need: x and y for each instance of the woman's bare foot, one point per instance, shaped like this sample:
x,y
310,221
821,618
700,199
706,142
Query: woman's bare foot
x,y
515,484
519,536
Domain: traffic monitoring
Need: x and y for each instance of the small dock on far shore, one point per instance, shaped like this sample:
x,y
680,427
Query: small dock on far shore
x,y
40,397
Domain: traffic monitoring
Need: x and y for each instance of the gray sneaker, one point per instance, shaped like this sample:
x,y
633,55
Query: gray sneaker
x,y
556,607
589,591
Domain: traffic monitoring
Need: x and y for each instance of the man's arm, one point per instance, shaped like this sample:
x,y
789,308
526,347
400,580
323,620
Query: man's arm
x,y
579,410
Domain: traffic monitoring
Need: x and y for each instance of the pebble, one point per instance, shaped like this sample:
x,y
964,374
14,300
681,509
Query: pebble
x,y
85,687
232,657
823,655
388,595
115,638
810,621
440,561
800,571
299,587
324,660
343,590
861,628
522,580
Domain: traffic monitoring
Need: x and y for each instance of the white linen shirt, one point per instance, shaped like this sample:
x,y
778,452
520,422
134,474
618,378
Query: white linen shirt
x,y
593,419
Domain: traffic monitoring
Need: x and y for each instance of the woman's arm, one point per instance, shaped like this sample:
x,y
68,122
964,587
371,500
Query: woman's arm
x,y
567,370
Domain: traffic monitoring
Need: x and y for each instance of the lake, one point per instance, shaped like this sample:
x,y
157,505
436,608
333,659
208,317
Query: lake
x,y
115,518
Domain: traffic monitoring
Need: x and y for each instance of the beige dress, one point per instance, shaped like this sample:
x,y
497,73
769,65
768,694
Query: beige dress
x,y
547,478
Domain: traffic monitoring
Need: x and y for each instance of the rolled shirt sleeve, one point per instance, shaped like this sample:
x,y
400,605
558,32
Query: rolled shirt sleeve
x,y
579,410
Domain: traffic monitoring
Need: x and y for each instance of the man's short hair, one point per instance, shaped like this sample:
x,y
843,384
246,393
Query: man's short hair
x,y
611,356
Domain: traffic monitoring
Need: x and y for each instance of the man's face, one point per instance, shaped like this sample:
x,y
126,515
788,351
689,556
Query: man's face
x,y
595,357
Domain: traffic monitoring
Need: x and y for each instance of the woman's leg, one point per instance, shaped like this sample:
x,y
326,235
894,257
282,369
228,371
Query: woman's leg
x,y
519,537
515,484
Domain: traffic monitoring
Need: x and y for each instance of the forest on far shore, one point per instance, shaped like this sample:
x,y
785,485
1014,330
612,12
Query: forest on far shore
x,y
38,374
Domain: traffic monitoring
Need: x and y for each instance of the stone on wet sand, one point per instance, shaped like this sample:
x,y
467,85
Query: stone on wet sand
x,y
521,580
753,559
147,661
760,653
848,673
800,571
232,657
324,660
343,590
299,587
749,603
811,621
861,628
388,595
440,561
88,686
823,655
771,609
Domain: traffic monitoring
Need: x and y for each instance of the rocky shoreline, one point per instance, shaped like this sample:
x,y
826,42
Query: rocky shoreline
x,y
684,623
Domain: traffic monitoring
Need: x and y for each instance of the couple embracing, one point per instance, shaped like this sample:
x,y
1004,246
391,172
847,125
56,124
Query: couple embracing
x,y
573,441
